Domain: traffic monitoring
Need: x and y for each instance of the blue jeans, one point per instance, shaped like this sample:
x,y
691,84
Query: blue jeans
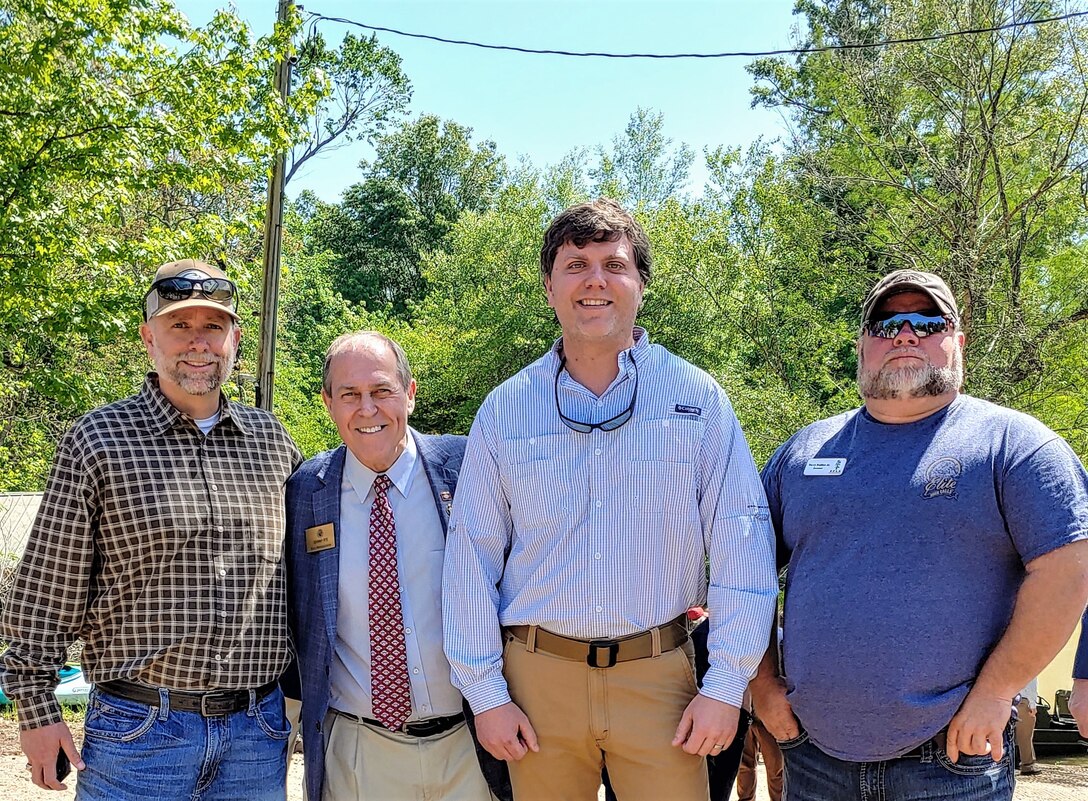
x,y
812,775
136,752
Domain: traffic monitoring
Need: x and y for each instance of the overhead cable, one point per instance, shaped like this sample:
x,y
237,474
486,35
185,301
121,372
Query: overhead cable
x,y
735,54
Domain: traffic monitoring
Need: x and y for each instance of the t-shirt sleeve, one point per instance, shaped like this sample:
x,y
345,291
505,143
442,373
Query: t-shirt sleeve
x,y
1045,500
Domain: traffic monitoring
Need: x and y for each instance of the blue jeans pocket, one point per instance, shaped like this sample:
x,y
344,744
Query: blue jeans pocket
x,y
118,720
973,764
272,717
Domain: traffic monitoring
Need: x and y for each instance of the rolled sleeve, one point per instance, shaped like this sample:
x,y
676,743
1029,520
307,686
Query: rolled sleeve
x,y
743,586
476,546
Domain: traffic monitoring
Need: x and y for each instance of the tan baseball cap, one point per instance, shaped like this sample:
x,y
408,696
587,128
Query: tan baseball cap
x,y
168,298
910,281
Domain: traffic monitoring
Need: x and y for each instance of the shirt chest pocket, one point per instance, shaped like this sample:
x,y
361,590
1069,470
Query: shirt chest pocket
x,y
539,481
661,461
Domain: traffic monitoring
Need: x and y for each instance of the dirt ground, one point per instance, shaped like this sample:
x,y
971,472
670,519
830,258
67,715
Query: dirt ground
x,y
1063,779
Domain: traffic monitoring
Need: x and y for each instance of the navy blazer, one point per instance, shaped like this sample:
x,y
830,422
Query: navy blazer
x,y
313,498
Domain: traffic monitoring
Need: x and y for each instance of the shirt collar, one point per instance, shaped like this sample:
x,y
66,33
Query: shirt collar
x,y
165,415
623,360
401,473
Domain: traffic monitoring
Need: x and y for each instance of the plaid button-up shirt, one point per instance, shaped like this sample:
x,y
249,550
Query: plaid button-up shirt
x,y
161,548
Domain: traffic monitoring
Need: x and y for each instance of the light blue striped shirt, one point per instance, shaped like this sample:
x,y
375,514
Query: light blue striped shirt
x,y
606,534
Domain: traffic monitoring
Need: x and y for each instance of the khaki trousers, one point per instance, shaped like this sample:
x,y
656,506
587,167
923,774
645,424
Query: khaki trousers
x,y
369,763
624,716
759,740
1025,733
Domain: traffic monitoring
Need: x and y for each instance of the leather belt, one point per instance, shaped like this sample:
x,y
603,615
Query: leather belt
x,y
605,653
209,704
939,741
428,727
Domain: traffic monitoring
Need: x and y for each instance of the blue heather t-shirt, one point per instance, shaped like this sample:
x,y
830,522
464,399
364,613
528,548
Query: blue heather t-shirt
x,y
905,559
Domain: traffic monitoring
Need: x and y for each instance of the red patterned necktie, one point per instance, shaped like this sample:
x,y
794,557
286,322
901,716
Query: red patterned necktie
x,y
389,688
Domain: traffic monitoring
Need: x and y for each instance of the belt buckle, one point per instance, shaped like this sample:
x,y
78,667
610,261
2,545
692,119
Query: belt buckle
x,y
595,645
212,705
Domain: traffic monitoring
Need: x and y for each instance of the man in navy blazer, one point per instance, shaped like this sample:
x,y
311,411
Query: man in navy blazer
x,y
369,392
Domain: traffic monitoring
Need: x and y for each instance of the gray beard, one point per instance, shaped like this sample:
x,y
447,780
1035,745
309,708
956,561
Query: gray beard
x,y
201,385
910,382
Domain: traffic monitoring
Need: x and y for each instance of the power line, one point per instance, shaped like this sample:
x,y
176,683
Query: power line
x,y
314,18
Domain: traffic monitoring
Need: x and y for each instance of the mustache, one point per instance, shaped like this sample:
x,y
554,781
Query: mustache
x,y
200,358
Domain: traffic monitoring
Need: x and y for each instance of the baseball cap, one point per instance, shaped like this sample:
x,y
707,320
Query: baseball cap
x,y
910,281
220,293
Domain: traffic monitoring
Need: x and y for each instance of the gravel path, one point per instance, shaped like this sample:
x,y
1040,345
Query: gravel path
x,y
1063,779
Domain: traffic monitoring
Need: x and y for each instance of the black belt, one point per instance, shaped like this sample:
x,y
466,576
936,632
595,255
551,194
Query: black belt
x,y
939,741
209,704
417,728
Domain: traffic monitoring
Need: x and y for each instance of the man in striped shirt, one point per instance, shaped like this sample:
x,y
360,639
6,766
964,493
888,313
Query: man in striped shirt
x,y
159,542
597,484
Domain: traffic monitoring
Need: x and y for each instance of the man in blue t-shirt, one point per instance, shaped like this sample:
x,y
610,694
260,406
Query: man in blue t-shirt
x,y
937,548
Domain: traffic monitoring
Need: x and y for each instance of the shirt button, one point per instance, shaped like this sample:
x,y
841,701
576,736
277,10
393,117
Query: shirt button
x,y
597,452
222,571
218,658
215,487
219,529
665,423
415,670
600,403
532,440
597,555
407,631
598,504
598,609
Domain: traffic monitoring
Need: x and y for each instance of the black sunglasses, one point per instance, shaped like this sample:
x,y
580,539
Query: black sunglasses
x,y
921,324
612,423
219,289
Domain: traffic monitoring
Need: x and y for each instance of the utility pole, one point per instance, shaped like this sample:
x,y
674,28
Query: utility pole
x,y
273,238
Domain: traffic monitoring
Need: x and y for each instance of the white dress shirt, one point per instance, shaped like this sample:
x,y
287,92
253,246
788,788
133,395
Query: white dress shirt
x,y
420,547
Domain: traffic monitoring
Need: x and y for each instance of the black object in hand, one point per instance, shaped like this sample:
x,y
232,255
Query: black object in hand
x,y
64,765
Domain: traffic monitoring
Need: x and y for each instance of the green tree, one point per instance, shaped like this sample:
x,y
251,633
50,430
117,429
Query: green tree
x,y
642,167
103,175
425,174
368,91
965,155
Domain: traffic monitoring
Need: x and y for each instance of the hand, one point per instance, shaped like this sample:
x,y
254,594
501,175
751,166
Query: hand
x,y
41,747
506,733
707,726
979,726
1078,705
773,710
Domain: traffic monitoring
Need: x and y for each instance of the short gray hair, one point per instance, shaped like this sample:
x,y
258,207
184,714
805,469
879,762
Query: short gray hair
x,y
357,340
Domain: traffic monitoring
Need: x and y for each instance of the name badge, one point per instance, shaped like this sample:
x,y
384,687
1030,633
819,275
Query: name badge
x,y
825,467
320,538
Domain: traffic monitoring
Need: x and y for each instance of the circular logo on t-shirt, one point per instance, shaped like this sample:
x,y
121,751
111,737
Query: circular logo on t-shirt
x,y
941,478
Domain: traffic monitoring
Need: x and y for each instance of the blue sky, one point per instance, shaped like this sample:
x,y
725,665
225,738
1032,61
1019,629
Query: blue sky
x,y
542,107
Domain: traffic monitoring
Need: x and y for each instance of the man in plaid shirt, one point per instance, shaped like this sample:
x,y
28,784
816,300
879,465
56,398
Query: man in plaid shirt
x,y
159,542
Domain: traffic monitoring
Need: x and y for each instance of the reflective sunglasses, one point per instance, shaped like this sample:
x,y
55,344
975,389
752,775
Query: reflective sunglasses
x,y
173,289
612,423
921,324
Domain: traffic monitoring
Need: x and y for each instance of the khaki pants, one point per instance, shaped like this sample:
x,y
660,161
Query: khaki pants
x,y
369,763
1025,733
759,740
584,717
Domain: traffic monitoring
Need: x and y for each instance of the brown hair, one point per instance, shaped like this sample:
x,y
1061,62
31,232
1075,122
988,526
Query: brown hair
x,y
602,220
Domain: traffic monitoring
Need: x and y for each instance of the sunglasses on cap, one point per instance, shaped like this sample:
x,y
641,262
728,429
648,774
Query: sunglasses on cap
x,y
174,289
921,324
